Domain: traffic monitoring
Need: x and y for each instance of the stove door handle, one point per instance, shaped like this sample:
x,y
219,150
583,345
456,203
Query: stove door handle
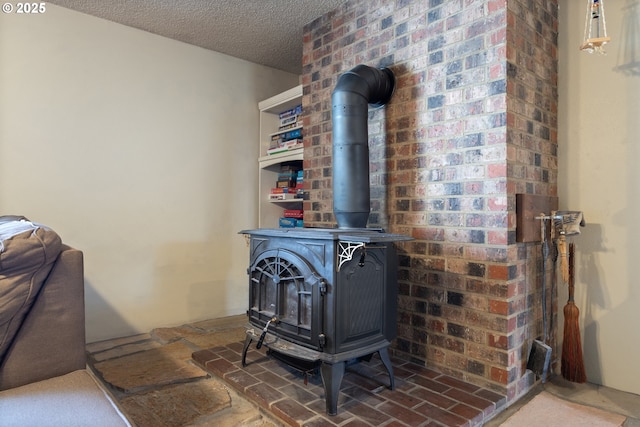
x,y
264,333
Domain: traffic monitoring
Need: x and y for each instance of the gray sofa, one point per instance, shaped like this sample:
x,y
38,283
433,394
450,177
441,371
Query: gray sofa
x,y
44,380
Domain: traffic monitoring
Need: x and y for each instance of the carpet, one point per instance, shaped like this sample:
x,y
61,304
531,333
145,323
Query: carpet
x,y
548,410
72,400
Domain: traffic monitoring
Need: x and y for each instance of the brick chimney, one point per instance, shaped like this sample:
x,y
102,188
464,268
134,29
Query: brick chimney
x,y
473,122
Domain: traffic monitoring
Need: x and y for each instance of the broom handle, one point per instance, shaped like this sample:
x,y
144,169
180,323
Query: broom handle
x,y
571,270
564,267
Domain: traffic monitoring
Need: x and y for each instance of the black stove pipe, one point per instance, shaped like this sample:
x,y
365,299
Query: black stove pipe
x,y
354,91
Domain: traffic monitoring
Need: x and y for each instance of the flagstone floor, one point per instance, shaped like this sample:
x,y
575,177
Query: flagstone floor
x,y
192,375
155,382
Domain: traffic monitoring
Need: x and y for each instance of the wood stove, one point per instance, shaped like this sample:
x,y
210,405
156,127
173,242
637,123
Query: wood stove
x,y
322,297
319,298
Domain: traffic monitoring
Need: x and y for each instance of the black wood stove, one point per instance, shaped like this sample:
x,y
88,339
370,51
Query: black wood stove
x,y
322,298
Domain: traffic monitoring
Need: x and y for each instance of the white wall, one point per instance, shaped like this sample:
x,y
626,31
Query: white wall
x,y
599,153
139,150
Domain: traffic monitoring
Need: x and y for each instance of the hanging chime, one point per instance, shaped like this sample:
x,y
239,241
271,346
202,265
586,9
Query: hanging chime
x,y
595,28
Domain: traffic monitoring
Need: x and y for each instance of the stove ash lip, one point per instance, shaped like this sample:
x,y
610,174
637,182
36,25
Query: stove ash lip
x,y
355,90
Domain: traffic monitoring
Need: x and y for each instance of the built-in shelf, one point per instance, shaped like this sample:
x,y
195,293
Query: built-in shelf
x,y
286,202
270,211
286,156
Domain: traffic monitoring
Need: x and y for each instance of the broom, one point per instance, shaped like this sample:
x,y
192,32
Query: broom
x,y
572,362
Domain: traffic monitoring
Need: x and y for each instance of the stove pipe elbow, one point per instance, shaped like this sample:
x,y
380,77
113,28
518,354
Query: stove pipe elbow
x,y
354,91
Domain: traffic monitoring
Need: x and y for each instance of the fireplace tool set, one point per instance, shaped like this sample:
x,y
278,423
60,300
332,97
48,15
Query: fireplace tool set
x,y
562,225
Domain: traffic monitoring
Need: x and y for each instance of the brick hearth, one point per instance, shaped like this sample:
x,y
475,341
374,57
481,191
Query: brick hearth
x,y
422,396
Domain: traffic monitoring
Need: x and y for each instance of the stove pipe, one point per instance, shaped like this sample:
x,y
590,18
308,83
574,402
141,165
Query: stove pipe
x,y
356,88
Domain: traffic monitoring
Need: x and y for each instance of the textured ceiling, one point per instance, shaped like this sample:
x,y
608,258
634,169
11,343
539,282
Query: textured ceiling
x,y
267,32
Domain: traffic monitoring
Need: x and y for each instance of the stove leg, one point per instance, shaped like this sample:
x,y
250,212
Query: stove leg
x,y
247,342
384,356
332,378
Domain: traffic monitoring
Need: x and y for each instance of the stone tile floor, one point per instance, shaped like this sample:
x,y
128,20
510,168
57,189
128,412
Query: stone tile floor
x,y
192,375
155,382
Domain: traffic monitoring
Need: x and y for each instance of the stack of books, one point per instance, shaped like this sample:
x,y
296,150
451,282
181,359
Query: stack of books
x,y
286,185
292,218
289,134
289,186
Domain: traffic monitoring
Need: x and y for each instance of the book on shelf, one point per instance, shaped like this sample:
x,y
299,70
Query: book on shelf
x,y
289,120
294,213
284,196
295,111
285,147
277,150
290,222
292,142
289,126
286,190
287,135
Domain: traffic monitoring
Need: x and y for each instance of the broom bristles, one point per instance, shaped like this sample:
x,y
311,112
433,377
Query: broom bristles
x,y
572,362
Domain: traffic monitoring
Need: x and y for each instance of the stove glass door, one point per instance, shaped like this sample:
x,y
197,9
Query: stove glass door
x,y
284,286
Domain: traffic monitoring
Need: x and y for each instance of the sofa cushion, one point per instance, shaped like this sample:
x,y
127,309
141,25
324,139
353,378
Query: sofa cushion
x,y
27,253
74,399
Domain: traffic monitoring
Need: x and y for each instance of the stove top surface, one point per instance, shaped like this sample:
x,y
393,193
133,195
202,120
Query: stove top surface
x,y
366,235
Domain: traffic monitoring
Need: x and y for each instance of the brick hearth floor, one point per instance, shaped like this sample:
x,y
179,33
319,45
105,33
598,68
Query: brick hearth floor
x,y
192,375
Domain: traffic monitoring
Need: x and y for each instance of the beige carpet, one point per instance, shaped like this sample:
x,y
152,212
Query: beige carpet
x,y
74,399
548,410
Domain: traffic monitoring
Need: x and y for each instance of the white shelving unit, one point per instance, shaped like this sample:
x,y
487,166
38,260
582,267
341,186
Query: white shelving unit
x,y
269,211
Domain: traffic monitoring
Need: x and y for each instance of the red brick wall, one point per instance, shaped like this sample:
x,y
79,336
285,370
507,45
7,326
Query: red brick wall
x,y
472,122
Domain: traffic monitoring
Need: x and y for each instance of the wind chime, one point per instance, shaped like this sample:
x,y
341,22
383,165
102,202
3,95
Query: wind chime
x,y
595,28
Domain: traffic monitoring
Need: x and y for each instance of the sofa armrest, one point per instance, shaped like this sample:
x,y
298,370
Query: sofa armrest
x,y
51,340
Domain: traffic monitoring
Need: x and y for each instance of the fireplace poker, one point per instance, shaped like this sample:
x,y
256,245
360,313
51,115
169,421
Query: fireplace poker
x,y
540,353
